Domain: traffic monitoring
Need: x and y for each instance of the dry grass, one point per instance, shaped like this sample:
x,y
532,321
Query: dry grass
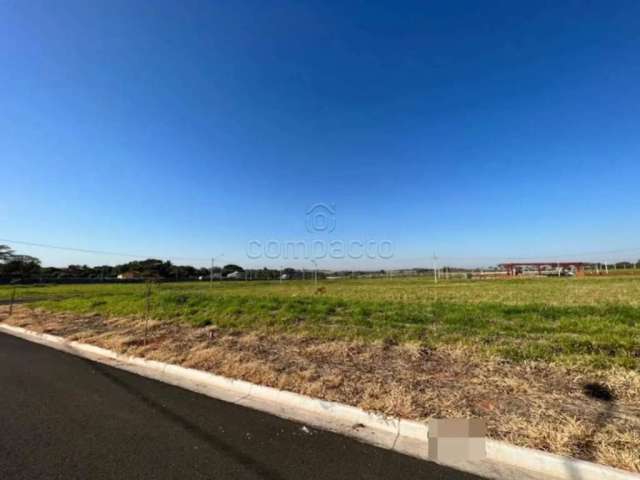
x,y
592,322
531,404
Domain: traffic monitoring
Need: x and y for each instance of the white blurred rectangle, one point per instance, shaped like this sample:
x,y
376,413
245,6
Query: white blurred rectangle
x,y
457,439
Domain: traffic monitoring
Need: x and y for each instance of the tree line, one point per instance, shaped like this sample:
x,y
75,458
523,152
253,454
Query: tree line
x,y
25,268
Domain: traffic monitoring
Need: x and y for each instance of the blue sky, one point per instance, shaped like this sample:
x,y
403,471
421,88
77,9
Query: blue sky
x,y
477,130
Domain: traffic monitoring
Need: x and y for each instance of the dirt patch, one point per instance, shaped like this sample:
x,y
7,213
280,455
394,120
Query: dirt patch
x,y
530,404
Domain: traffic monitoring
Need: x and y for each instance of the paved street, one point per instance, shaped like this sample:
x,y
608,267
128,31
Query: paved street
x,y
65,417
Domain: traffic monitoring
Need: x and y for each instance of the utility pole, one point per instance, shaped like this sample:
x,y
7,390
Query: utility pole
x,y
315,272
211,271
435,268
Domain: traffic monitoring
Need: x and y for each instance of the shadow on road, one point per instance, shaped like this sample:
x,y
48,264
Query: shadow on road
x,y
243,459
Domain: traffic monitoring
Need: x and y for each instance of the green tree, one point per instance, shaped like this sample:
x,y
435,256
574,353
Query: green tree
x,y
230,268
22,266
5,253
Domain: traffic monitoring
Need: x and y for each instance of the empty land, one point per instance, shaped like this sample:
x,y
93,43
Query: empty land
x,y
520,353
593,321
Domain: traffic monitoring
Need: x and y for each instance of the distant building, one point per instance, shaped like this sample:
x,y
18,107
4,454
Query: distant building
x,y
545,268
235,275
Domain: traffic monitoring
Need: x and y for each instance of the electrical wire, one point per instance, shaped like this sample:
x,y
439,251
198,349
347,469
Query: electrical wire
x,y
100,252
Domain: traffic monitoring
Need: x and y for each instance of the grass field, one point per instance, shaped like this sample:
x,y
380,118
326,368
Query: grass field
x,y
592,321
402,347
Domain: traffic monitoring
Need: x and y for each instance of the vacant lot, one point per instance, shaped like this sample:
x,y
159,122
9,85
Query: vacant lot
x,y
525,354
593,322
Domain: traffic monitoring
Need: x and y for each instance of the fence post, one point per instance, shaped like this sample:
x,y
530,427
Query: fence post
x,y
13,299
147,312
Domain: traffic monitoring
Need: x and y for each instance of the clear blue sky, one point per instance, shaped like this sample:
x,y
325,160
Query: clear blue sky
x,y
183,128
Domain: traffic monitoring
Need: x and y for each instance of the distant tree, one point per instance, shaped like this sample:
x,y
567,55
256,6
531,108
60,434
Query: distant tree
x,y
189,272
149,268
183,272
5,253
203,272
79,271
23,266
103,272
230,268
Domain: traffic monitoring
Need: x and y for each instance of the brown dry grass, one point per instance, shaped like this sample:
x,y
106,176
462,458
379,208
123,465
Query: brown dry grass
x,y
529,404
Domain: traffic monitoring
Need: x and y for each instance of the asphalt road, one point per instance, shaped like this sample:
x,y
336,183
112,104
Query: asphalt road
x,y
65,417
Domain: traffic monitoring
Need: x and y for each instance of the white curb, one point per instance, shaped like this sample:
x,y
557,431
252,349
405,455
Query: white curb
x,y
404,436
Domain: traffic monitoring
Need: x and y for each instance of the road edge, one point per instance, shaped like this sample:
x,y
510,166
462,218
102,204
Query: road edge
x,y
403,436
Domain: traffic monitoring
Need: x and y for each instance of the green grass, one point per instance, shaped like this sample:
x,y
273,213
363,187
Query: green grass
x,y
591,321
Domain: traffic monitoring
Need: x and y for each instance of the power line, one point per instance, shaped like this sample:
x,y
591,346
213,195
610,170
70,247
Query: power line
x,y
99,252
441,257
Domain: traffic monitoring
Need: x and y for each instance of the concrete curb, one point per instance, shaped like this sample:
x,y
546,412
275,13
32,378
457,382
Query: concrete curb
x,y
404,436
